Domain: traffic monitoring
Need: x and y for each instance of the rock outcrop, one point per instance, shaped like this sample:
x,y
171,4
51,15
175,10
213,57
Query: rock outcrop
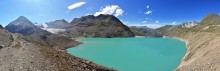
x,y
189,24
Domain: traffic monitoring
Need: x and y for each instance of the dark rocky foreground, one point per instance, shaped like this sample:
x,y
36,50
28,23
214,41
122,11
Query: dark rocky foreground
x,y
39,53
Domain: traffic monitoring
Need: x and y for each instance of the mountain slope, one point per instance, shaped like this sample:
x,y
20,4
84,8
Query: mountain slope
x,y
60,24
98,26
202,44
25,27
142,30
18,54
5,37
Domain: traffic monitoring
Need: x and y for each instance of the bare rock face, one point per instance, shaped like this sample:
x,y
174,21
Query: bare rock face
x,y
59,24
98,26
25,27
189,24
30,53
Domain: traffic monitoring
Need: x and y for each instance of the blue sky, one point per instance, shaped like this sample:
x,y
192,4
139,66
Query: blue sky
x,y
132,12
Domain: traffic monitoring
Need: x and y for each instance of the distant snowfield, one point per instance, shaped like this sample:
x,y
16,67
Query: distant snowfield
x,y
54,30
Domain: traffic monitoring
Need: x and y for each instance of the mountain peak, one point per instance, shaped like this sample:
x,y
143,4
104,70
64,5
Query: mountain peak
x,y
98,26
213,15
189,24
21,25
211,19
22,18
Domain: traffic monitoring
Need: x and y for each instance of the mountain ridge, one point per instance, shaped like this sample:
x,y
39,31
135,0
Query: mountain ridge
x,y
202,43
98,26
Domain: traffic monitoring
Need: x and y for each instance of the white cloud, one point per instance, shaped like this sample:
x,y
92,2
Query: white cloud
x,y
148,12
88,14
76,5
144,21
157,21
148,7
174,23
112,10
119,12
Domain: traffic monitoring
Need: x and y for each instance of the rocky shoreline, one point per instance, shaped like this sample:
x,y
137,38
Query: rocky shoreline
x,y
87,64
33,54
187,47
202,52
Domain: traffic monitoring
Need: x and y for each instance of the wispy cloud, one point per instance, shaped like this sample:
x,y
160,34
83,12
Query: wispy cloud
x,y
148,7
88,14
119,12
174,23
112,10
157,21
76,5
144,21
149,12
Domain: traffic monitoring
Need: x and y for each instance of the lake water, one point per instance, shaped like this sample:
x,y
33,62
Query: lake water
x,y
132,54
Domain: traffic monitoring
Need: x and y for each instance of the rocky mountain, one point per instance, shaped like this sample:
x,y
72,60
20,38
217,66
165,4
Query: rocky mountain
x,y
39,25
142,30
60,24
23,26
98,26
27,53
201,43
189,24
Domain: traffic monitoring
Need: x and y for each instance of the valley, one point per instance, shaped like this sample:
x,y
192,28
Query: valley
x,y
33,46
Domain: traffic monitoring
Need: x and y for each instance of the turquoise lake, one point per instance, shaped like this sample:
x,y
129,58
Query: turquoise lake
x,y
132,54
